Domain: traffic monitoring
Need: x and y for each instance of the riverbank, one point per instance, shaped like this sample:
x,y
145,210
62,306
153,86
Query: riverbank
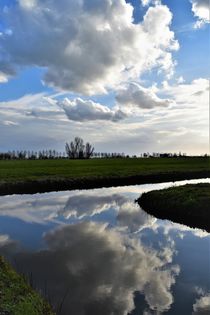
x,y
22,177
188,204
17,297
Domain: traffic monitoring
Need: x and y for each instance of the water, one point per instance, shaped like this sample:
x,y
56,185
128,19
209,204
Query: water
x,y
96,252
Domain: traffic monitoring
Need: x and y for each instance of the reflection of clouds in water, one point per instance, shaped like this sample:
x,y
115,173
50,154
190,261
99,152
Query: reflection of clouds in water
x,y
128,213
180,229
102,269
131,216
51,207
4,239
44,208
8,247
202,305
89,205
32,208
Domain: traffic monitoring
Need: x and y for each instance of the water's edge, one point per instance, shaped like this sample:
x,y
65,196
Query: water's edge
x,y
62,184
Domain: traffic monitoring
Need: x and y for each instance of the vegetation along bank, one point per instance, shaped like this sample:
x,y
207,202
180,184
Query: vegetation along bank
x,y
17,297
188,204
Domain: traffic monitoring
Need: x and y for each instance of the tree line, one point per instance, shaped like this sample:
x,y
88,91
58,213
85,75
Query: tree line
x,y
78,149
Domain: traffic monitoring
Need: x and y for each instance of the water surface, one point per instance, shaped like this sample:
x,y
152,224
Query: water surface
x,y
96,252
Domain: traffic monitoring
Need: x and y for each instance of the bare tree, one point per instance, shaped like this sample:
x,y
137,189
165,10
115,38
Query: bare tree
x,y
89,149
76,149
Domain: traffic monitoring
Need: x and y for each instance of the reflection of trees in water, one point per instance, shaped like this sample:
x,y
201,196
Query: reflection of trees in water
x,y
100,269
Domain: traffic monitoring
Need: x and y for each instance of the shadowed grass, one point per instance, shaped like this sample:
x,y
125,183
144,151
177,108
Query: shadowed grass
x,y
17,297
188,204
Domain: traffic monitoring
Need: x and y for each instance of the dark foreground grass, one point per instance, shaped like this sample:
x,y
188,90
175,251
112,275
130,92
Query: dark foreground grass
x,y
188,204
47,175
17,297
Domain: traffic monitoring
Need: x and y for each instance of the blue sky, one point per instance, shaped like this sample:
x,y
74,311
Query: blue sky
x,y
57,75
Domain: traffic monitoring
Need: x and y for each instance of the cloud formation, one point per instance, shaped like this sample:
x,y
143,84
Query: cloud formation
x,y
83,205
86,47
201,9
87,110
148,2
3,77
202,305
182,126
136,95
88,257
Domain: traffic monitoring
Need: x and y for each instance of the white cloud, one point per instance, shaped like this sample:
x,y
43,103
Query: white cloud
x,y
3,77
189,93
87,110
4,239
180,80
202,305
148,2
28,4
136,95
10,123
183,126
85,46
201,9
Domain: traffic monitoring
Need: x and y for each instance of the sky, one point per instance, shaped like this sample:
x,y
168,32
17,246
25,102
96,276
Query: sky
x,y
127,76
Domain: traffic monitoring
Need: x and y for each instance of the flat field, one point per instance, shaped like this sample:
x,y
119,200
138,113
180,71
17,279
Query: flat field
x,y
21,170
37,176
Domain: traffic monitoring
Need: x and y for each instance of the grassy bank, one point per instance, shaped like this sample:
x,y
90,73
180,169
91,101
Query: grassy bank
x,y
189,204
46,175
17,297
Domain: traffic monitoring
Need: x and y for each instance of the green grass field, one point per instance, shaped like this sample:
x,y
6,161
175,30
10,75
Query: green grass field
x,y
21,170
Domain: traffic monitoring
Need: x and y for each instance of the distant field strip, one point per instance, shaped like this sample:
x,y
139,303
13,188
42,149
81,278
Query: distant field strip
x,y
20,170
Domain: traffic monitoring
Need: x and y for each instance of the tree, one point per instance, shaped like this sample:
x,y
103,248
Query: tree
x,y
88,150
76,149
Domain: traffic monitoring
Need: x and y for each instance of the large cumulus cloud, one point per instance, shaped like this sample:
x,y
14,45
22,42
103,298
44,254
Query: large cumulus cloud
x,y
87,110
86,46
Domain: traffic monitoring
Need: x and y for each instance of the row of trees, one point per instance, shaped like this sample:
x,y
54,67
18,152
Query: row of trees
x,y
77,149
52,154
32,155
